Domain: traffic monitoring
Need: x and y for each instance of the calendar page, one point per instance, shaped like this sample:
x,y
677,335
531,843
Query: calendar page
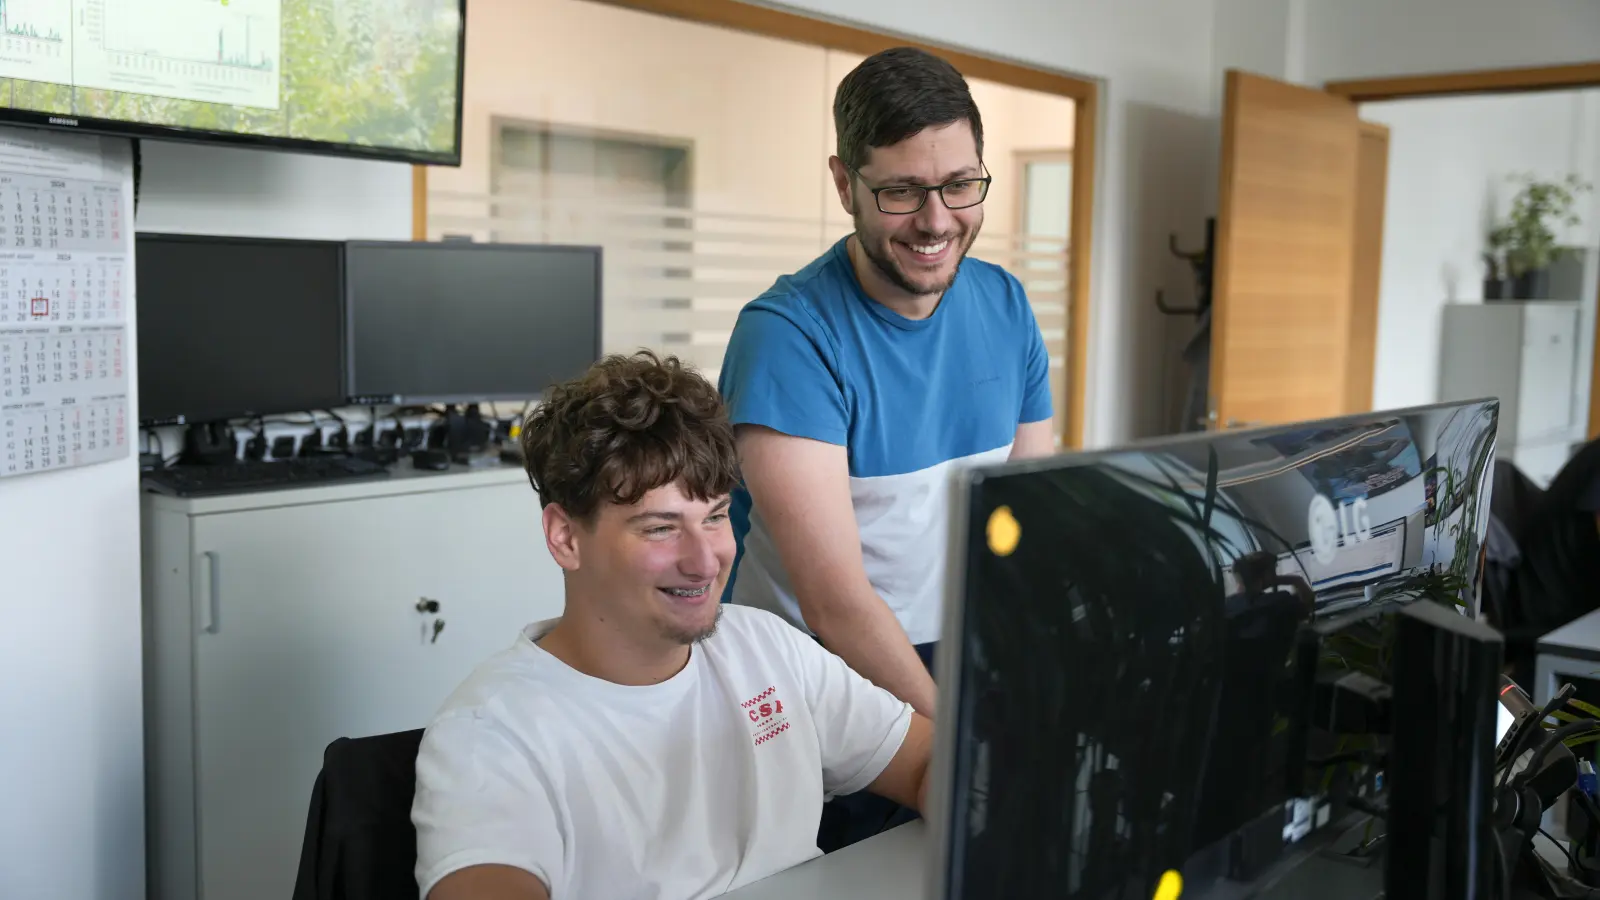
x,y
66,244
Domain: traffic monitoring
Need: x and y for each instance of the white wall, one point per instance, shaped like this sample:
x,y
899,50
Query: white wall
x,y
1448,162
1371,38
256,193
71,696
72,818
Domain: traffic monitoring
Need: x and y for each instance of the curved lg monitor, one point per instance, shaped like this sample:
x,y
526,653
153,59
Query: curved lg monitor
x,y
1134,639
380,79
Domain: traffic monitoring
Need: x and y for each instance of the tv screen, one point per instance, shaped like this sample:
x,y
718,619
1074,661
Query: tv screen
x,y
375,78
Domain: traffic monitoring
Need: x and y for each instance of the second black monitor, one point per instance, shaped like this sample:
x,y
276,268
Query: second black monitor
x,y
461,322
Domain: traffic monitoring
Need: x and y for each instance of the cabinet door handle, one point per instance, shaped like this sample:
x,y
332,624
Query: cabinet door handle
x,y
213,591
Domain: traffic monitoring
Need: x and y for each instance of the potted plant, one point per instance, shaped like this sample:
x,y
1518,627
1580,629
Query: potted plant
x,y
1526,242
1495,284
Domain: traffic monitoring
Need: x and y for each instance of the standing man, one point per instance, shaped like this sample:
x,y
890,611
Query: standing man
x,y
857,384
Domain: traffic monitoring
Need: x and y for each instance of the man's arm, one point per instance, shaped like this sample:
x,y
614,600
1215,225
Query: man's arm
x,y
1034,439
905,779
490,882
802,488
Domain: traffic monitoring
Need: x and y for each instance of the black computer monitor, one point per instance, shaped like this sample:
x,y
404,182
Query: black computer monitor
x,y
461,322
232,327
1135,642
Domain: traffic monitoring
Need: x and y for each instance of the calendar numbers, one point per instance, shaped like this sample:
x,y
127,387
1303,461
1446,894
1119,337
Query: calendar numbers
x,y
41,440
55,290
63,339
55,214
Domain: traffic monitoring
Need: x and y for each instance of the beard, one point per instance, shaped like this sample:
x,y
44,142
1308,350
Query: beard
x,y
679,634
876,245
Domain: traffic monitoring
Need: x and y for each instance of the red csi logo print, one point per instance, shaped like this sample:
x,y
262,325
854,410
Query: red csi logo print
x,y
766,715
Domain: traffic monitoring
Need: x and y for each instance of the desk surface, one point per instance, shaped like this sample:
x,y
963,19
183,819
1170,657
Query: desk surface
x,y
891,866
888,866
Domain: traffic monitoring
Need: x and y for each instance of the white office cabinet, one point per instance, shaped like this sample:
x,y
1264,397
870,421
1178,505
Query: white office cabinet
x,y
277,622
1525,354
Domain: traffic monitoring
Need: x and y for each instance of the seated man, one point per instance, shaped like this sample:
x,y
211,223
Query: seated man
x,y
651,742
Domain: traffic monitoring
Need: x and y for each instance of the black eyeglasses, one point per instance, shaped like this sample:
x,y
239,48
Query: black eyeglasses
x,y
905,199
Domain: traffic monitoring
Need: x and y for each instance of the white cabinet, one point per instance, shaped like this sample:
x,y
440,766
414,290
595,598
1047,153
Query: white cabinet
x,y
1525,354
277,622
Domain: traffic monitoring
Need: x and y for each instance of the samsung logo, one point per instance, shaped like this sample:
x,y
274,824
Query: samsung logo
x,y
59,120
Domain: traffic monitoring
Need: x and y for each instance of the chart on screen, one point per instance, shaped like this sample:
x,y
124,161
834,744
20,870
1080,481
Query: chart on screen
x,y
35,40
216,51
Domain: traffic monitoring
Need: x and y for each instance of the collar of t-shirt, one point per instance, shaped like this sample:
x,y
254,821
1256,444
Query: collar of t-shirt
x,y
547,667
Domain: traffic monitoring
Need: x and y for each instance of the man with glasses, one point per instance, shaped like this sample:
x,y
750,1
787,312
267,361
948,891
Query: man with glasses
x,y
857,385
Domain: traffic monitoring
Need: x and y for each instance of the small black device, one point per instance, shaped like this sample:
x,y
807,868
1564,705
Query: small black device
x,y
1186,657
460,323
430,458
234,327
262,475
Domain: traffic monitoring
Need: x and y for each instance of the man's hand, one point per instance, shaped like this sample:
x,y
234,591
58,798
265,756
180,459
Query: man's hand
x,y
801,489
489,882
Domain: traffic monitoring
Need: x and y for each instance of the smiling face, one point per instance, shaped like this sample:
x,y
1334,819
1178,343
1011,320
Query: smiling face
x,y
653,570
914,255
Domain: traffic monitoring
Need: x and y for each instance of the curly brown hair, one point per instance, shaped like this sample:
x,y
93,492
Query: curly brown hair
x,y
629,425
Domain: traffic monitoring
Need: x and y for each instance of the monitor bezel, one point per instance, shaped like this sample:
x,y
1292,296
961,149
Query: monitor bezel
x,y
124,128
953,708
595,251
338,248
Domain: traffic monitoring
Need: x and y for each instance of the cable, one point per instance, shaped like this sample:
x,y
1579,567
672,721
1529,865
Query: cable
x,y
1556,739
1564,851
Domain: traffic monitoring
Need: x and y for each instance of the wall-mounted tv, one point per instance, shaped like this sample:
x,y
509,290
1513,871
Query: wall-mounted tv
x,y
374,78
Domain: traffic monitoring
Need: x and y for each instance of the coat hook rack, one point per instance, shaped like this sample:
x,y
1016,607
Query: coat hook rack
x,y
1201,261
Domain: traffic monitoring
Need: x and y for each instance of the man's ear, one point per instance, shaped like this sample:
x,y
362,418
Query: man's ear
x,y
841,183
561,536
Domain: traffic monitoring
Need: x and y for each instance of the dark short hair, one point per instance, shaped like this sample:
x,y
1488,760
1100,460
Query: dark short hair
x,y
895,94
629,425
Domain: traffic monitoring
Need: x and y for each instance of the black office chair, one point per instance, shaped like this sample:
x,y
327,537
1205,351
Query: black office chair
x,y
359,841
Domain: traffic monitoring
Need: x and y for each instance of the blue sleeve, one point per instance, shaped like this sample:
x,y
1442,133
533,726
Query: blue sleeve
x,y
1036,402
777,375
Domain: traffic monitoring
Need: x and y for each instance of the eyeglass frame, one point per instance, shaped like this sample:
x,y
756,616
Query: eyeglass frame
x,y
928,189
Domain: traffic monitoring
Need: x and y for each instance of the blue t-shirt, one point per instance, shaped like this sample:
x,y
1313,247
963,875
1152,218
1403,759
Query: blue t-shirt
x,y
910,399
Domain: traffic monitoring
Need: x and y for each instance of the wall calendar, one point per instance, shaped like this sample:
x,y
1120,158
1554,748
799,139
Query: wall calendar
x,y
66,247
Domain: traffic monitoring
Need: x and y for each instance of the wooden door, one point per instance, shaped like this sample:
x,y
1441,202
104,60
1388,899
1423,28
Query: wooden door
x,y
1372,182
1282,300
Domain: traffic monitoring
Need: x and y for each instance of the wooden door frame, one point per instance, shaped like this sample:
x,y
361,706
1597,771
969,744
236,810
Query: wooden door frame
x,y
1573,76
1084,93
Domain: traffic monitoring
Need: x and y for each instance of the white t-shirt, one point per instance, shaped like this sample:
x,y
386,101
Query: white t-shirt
x,y
686,789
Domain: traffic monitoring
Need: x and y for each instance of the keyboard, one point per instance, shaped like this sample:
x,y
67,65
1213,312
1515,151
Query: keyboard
x,y
261,475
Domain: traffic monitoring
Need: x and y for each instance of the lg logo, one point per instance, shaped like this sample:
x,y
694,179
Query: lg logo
x,y
1328,524
765,711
